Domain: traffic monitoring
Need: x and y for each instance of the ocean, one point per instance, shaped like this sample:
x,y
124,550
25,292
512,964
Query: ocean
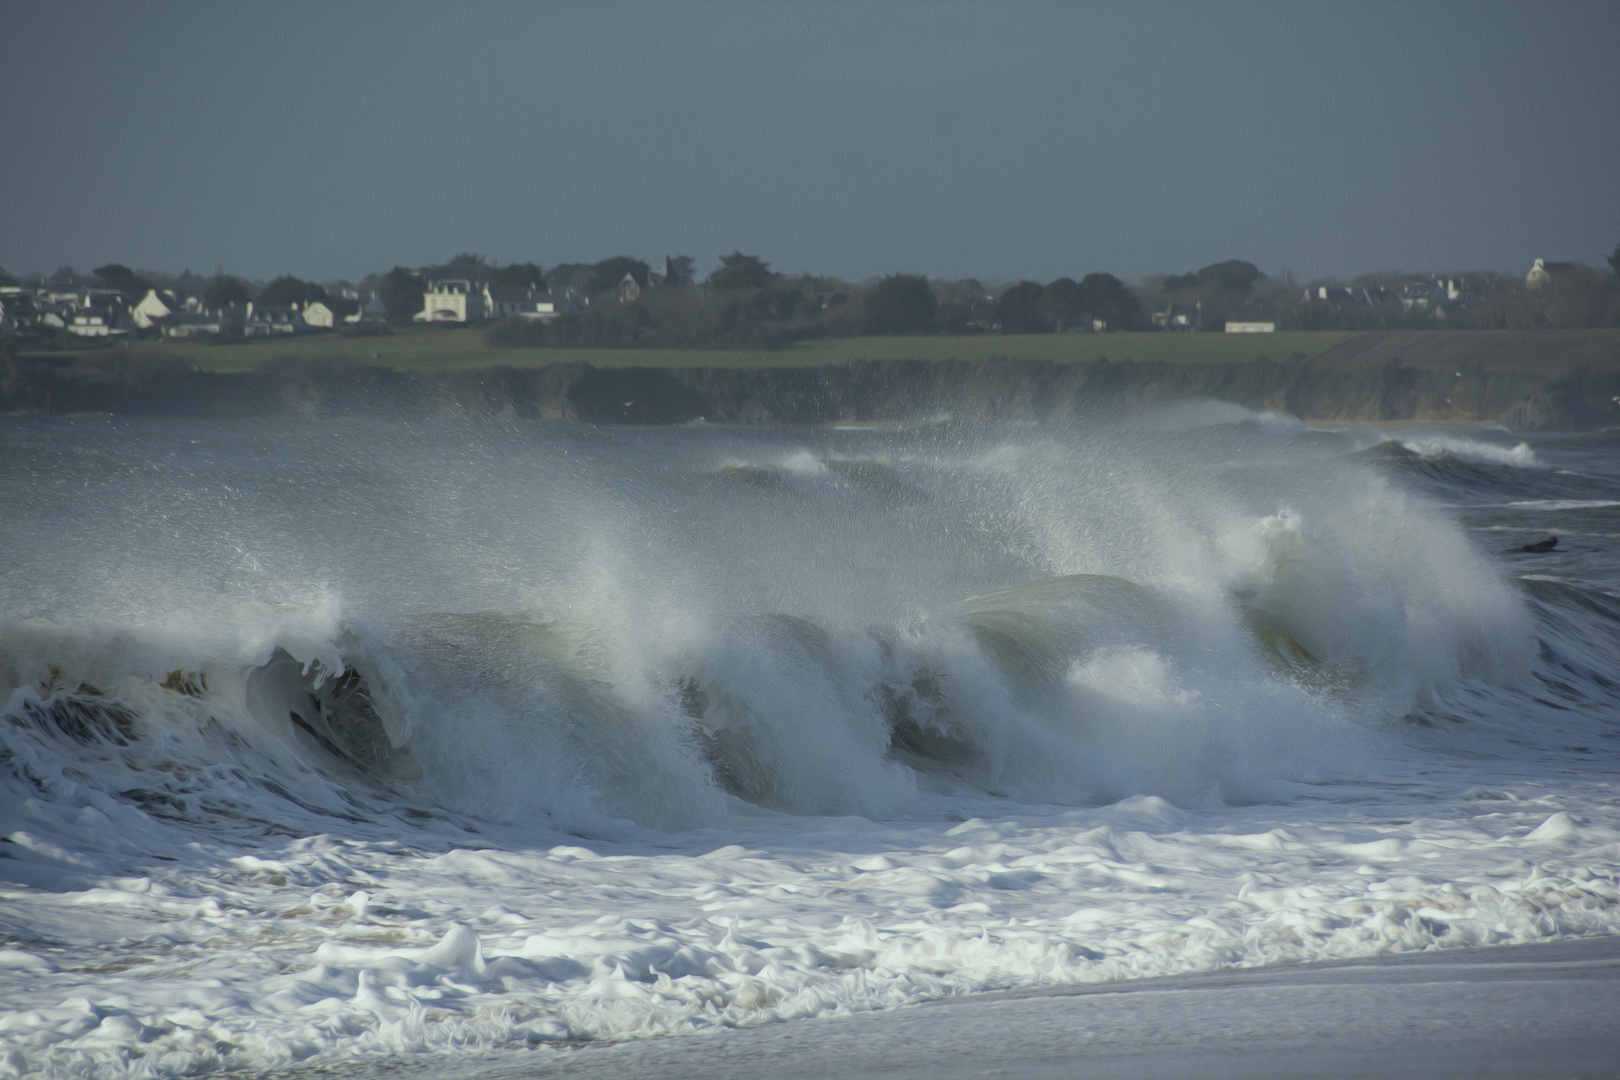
x,y
352,743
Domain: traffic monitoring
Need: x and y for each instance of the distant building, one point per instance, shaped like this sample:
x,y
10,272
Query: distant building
x,y
160,304
153,306
97,313
270,320
17,309
450,301
1423,295
372,313
1183,317
1251,320
104,321
1337,297
191,324
61,292
318,316
1544,273
629,288
526,302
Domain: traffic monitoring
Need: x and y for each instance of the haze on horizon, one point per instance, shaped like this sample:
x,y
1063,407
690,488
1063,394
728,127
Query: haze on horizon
x,y
997,141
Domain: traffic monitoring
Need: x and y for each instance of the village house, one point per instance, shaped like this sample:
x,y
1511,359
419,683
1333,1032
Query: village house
x,y
1337,297
17,309
153,306
1544,273
1251,320
98,313
1183,317
58,292
191,324
159,304
450,301
270,320
102,322
318,316
526,302
372,313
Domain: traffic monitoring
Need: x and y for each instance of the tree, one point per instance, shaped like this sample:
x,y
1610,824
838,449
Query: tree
x,y
1614,260
401,293
123,279
287,290
223,291
1105,297
739,271
606,275
1058,301
1234,276
1018,309
680,270
900,304
518,275
463,267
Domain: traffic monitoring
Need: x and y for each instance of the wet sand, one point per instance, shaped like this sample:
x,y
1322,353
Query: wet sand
x,y
1489,1013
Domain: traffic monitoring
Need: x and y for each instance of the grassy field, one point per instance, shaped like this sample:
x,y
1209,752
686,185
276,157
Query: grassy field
x,y
441,349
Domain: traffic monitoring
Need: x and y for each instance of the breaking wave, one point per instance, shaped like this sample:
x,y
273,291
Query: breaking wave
x,y
322,740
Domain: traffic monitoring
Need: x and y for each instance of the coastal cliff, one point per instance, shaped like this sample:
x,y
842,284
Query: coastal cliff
x,y
1566,384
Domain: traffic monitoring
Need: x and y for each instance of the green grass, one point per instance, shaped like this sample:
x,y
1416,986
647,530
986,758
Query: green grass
x,y
440,349
1201,348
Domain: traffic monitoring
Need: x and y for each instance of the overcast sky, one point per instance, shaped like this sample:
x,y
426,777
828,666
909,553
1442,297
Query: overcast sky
x,y
988,139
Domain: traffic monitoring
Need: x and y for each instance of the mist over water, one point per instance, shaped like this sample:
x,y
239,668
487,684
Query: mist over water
x,y
357,737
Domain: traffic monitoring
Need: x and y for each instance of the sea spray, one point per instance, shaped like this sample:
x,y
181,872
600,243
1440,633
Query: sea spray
x,y
325,738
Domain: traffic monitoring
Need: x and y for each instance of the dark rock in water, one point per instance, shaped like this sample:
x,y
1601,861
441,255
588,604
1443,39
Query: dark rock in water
x,y
1540,547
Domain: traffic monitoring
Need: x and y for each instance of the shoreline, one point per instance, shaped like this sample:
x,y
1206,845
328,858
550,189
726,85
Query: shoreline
x,y
1478,1012
1497,1012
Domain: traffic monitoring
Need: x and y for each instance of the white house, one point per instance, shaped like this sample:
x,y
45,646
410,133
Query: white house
x,y
318,316
452,301
525,302
106,320
153,306
1544,273
1251,320
160,304
192,324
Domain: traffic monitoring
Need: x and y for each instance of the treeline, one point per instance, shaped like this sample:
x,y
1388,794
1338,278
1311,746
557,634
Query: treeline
x,y
744,304
624,302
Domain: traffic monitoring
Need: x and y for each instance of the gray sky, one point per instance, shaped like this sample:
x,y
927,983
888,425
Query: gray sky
x,y
987,139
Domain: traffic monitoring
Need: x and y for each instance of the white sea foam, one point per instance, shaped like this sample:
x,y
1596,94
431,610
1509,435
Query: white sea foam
x,y
1561,504
1464,448
581,738
331,948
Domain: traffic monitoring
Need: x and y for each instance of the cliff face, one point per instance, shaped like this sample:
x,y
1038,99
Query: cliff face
x,y
1002,389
